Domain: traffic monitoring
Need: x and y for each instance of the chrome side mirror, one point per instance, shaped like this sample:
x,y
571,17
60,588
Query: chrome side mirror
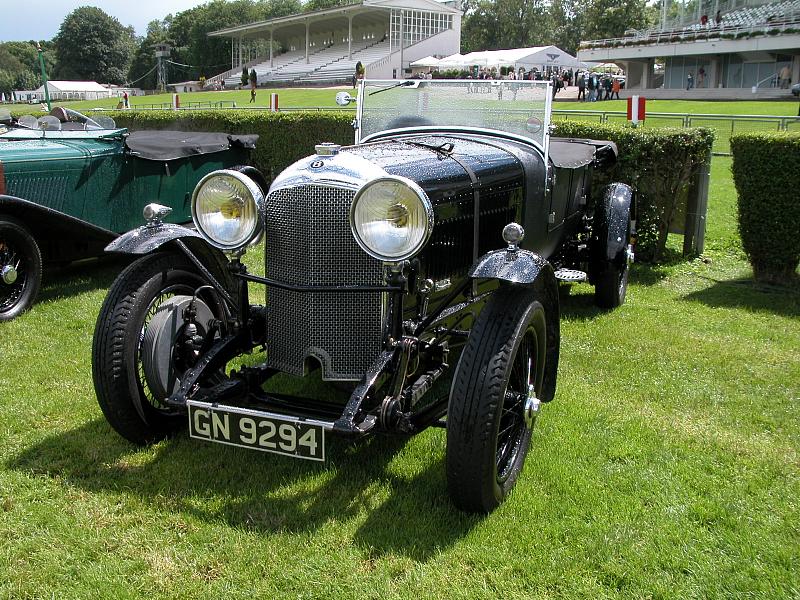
x,y
343,99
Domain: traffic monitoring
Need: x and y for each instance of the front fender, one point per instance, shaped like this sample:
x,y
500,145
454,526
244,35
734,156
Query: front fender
x,y
518,266
526,268
148,238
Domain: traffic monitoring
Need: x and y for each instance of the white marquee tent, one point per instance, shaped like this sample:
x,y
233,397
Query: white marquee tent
x,y
74,90
537,56
428,61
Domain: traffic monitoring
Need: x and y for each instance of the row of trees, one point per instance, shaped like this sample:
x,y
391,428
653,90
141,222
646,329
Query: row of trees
x,y
91,45
497,24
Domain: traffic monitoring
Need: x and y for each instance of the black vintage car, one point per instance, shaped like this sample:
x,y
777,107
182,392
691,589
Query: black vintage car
x,y
418,268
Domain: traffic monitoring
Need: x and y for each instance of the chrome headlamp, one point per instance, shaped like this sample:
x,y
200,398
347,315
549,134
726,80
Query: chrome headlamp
x,y
225,206
391,218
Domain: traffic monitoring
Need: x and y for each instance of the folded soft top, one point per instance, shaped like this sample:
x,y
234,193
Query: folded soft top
x,y
171,145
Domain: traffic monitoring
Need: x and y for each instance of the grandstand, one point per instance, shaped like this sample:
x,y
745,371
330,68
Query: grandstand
x,y
324,46
741,56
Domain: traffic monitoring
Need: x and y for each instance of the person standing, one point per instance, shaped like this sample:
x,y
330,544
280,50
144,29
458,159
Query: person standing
x,y
615,88
253,84
582,87
786,77
689,81
608,85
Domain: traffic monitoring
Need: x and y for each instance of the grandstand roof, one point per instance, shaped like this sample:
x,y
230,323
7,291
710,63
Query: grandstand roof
x,y
359,6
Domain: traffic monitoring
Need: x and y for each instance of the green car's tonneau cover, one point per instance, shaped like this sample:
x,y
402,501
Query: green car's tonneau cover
x,y
171,145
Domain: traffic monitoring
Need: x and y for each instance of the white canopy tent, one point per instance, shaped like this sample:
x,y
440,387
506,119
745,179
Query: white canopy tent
x,y
537,56
428,61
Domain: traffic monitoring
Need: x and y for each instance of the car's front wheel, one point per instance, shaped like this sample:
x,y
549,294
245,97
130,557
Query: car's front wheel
x,y
20,268
135,365
495,398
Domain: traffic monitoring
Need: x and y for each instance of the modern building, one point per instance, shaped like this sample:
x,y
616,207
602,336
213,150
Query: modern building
x,y
324,46
724,49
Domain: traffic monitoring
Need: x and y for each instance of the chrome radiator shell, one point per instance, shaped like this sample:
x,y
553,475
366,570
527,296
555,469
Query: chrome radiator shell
x,y
308,242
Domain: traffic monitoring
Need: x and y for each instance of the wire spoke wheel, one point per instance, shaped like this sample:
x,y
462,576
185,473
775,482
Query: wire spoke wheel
x,y
136,310
20,269
494,399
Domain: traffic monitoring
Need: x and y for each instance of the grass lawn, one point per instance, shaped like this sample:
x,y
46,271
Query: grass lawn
x,y
776,108
287,97
666,467
324,97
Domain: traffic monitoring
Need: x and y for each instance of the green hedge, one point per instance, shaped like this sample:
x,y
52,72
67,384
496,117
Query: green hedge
x,y
285,137
766,172
660,164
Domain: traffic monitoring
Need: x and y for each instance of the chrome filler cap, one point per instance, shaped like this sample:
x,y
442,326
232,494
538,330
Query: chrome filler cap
x,y
327,149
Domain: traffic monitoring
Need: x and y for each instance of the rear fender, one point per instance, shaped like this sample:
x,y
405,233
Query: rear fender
x,y
610,226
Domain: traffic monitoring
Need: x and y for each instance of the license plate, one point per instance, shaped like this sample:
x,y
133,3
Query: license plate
x,y
257,430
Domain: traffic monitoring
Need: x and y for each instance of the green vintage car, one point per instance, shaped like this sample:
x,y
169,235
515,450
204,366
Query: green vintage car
x,y
70,184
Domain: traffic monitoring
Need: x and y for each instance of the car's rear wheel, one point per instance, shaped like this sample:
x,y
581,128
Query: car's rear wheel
x,y
611,285
134,365
20,268
611,276
494,399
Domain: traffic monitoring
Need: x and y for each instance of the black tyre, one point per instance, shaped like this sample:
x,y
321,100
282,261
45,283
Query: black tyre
x,y
20,268
134,407
611,285
612,251
494,399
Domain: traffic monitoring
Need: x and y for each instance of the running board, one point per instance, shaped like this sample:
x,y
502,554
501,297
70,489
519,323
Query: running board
x,y
571,275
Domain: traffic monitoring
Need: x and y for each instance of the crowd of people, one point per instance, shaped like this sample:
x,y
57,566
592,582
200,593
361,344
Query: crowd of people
x,y
593,87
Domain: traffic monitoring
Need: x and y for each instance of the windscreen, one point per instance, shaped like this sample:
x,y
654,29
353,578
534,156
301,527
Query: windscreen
x,y
512,106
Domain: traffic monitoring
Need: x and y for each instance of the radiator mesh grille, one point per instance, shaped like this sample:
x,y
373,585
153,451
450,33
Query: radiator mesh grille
x,y
309,242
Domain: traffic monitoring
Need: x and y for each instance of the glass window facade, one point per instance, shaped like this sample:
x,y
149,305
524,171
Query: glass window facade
x,y
417,25
736,71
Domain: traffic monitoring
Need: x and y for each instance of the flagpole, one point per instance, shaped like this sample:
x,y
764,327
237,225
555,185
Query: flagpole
x,y
44,75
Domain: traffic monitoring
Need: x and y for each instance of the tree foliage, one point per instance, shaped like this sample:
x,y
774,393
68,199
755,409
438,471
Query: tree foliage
x,y
92,45
496,24
194,54
19,65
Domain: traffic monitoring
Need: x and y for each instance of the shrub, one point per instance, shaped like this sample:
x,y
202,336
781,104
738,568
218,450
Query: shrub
x,y
765,172
660,164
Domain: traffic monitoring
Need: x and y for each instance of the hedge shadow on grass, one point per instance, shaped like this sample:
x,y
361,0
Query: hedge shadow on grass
x,y
263,492
751,295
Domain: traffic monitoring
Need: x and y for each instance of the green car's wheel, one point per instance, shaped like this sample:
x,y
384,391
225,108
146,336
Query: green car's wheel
x,y
132,353
495,398
20,268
